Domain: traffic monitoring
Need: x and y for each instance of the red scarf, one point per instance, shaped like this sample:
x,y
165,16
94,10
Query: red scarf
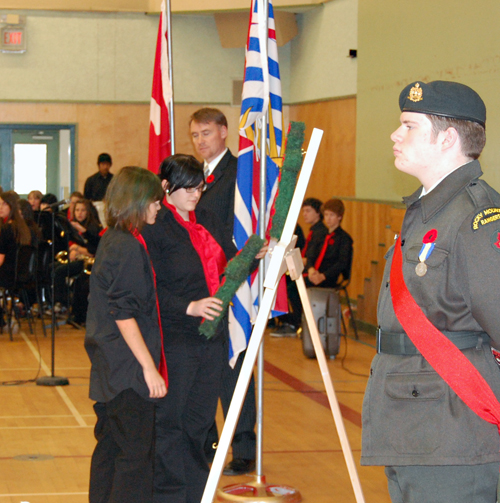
x,y
162,369
211,254
444,357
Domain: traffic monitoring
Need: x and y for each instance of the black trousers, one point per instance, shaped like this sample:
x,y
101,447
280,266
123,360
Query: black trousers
x,y
183,418
122,463
244,443
294,317
63,271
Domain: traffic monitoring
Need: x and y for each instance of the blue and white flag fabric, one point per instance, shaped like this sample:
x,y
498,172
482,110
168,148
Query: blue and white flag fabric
x,y
261,94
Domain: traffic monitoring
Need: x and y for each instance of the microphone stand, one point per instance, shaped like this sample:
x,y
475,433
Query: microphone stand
x,y
52,380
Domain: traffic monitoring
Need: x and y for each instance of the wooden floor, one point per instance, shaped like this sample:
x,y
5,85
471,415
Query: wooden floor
x,y
46,436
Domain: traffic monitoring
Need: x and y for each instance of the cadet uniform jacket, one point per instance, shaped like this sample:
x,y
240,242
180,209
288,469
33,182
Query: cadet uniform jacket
x,y
410,415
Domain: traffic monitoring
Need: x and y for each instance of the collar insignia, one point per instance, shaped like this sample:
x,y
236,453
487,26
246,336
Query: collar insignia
x,y
415,93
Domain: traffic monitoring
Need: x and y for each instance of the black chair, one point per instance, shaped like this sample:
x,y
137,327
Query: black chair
x,y
342,287
24,281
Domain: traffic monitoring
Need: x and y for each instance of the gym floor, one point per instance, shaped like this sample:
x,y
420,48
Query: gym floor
x,y
46,433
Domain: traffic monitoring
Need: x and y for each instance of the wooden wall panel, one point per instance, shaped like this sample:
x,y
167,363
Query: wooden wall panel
x,y
334,173
120,129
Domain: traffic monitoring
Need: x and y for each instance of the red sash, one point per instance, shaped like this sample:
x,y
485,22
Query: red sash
x,y
444,357
162,369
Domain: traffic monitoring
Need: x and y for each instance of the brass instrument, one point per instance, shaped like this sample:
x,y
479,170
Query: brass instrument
x,y
62,257
88,261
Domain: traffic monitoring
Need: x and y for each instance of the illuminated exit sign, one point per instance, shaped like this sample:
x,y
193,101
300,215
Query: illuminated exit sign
x,y
13,39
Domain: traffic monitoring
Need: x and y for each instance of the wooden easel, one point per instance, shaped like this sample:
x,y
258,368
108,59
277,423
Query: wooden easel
x,y
284,257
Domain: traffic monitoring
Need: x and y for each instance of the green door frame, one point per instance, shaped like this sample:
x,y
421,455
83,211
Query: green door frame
x,y
7,154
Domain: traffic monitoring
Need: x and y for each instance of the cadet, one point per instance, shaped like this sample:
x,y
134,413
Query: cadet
x,y
430,412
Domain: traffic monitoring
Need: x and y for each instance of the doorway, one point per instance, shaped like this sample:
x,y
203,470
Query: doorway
x,y
38,157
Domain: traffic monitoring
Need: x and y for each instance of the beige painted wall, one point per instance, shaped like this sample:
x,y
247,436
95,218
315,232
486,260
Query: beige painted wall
x,y
320,66
108,57
426,40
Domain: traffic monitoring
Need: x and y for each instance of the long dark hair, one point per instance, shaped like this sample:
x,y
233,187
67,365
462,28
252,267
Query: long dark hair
x,y
21,232
181,171
90,219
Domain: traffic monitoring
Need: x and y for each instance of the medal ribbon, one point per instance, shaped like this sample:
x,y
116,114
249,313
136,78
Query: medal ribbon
x,y
444,357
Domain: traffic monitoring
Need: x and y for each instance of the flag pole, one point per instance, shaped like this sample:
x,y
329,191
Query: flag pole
x,y
262,234
171,77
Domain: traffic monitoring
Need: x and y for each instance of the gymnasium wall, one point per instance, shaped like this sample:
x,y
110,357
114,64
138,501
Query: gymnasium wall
x,y
400,42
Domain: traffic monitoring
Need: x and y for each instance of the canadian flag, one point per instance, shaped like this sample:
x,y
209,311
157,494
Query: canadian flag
x,y
159,127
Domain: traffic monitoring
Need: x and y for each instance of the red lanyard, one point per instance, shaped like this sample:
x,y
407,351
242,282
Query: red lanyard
x,y
308,240
329,240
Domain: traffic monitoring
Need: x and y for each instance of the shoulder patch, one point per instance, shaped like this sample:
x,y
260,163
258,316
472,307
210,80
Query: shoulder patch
x,y
495,240
485,217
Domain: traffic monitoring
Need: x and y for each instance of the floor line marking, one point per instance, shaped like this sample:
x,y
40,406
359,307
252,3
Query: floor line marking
x,y
79,419
307,390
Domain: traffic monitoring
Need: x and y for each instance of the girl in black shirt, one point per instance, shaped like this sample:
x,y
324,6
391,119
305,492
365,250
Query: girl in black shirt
x,y
189,250
123,341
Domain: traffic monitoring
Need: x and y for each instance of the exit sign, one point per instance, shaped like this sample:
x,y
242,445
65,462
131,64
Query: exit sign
x,y
13,39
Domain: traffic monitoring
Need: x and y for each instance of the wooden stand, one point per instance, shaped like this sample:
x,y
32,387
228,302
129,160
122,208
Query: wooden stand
x,y
284,256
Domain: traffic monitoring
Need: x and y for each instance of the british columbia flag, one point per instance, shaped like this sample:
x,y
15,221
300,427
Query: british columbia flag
x,y
261,93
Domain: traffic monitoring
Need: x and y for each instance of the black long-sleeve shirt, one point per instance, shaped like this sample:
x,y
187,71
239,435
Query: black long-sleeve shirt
x,y
121,288
179,272
96,186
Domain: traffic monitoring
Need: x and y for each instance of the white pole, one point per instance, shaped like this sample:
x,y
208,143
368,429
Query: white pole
x,y
262,234
171,77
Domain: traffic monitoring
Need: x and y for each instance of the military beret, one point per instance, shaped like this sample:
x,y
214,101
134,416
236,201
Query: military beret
x,y
443,98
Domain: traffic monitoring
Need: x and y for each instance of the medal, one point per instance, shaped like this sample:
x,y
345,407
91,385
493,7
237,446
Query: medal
x,y
421,269
425,252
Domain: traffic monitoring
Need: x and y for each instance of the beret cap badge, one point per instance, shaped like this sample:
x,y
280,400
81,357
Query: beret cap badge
x,y
415,93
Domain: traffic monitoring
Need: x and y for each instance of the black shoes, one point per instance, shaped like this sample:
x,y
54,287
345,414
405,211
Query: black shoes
x,y
239,466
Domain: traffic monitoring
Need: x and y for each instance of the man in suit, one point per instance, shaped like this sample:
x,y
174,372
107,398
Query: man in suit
x,y
209,131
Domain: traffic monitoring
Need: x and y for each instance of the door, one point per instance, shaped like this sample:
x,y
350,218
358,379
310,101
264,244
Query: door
x,y
36,157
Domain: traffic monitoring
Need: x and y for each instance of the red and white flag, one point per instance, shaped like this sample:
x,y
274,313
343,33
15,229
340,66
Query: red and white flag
x,y
159,126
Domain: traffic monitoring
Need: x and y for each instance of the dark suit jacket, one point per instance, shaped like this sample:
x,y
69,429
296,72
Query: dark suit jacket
x,y
219,194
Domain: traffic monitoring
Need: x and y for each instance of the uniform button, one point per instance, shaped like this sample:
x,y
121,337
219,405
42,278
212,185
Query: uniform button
x,y
403,242
387,285
371,372
415,393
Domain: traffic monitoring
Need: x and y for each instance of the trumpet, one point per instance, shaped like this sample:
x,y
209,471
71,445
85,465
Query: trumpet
x,y
88,261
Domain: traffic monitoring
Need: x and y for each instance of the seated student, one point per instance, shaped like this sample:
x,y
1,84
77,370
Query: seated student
x,y
35,198
14,232
75,196
88,228
312,216
335,257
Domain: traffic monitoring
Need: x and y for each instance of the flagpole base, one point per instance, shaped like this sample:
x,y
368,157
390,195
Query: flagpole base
x,y
258,492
